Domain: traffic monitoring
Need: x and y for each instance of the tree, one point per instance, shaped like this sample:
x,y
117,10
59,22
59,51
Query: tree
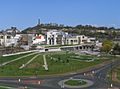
x,y
114,34
116,49
107,46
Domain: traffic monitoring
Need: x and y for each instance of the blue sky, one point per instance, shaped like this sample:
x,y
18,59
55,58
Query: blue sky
x,y
24,13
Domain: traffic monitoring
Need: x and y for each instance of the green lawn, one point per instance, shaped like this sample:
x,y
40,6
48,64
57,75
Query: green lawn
x,y
114,70
8,58
12,69
4,86
118,72
58,63
75,82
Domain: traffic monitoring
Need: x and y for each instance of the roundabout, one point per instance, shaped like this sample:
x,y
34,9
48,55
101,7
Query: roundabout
x,y
56,70
75,83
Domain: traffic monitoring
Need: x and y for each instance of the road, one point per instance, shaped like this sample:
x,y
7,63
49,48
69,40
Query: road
x,y
97,75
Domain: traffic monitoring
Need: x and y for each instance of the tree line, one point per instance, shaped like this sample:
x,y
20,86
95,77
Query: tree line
x,y
89,30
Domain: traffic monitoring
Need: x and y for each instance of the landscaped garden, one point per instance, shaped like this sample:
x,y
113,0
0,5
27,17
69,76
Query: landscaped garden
x,y
57,63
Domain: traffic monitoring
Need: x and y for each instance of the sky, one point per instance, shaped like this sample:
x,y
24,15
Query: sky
x,y
25,13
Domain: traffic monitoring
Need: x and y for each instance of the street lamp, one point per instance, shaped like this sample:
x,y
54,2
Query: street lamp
x,y
111,85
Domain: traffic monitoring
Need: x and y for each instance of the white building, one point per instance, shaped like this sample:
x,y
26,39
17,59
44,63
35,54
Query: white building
x,y
8,39
39,39
55,37
79,39
12,30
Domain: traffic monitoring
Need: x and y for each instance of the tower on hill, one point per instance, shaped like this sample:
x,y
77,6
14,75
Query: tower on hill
x,y
39,22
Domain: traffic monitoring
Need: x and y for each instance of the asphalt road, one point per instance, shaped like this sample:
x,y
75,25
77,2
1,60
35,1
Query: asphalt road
x,y
97,75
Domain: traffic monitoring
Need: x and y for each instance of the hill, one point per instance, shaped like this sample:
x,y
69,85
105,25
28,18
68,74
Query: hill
x,y
89,30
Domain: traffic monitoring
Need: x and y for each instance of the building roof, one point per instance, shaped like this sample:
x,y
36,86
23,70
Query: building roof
x,y
12,29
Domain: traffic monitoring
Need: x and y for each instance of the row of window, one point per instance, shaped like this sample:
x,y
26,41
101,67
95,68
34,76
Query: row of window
x,y
72,40
2,37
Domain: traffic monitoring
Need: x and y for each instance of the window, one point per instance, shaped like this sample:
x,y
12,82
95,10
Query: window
x,y
75,40
71,41
1,37
8,37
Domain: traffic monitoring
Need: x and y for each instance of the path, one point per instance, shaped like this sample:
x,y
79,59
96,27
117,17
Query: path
x,y
45,63
82,60
5,63
24,65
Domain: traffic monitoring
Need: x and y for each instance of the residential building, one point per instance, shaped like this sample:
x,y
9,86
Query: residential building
x,y
12,30
26,41
39,39
79,39
101,31
8,39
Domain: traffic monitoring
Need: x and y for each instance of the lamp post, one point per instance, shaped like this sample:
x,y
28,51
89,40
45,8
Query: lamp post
x,y
111,85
